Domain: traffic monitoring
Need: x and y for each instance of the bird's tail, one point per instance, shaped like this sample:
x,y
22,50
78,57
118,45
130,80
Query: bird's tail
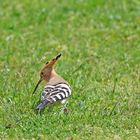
x,y
42,105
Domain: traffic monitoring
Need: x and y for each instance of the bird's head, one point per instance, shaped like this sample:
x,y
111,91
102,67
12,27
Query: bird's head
x,y
46,72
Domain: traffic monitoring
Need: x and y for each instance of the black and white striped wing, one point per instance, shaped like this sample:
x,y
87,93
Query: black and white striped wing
x,y
54,93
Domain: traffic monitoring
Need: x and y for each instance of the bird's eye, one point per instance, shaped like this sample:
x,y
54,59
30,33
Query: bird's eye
x,y
41,73
47,62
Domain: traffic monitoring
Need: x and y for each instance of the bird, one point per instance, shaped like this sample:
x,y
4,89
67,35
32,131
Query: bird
x,y
57,89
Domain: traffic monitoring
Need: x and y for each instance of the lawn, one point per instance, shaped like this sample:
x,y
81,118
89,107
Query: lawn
x,y
100,46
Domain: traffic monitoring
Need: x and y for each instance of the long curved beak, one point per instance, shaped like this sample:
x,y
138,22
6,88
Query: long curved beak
x,y
37,86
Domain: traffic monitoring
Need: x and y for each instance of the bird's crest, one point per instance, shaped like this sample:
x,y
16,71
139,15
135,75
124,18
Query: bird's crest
x,y
52,62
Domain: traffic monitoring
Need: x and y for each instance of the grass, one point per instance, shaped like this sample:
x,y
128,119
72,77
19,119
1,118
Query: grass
x,y
100,44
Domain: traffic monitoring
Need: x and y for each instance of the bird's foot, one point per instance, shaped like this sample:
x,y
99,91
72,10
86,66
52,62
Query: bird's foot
x,y
64,110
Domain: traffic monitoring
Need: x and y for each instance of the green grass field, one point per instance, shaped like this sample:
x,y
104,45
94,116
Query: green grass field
x,y
100,45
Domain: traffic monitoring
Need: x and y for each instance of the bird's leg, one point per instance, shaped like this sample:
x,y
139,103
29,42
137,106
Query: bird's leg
x,y
64,108
38,111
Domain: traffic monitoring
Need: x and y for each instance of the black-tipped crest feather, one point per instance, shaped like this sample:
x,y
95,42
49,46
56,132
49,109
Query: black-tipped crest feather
x,y
58,56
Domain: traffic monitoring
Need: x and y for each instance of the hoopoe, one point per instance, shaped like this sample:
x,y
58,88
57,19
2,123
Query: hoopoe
x,y
56,89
